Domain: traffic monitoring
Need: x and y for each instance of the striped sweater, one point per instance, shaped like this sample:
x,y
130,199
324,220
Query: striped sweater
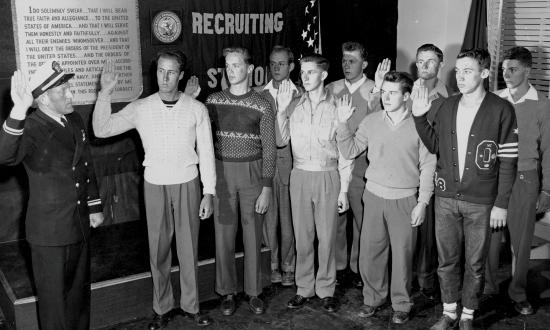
x,y
244,130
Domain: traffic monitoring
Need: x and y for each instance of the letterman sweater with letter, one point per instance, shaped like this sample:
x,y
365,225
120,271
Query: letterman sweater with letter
x,y
491,154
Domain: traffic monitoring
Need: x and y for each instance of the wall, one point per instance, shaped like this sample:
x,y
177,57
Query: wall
x,y
441,22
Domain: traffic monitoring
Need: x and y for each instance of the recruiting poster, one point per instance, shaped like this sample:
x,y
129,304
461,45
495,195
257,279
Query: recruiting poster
x,y
80,35
203,28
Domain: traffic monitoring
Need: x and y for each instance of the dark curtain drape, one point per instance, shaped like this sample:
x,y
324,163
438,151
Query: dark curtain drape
x,y
476,30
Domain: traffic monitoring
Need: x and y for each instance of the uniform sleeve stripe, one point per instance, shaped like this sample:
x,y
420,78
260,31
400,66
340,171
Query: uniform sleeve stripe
x,y
12,131
508,145
94,202
508,156
508,150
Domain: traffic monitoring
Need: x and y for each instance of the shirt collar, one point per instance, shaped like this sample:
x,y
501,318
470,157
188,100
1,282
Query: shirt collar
x,y
530,95
352,87
390,120
54,116
326,97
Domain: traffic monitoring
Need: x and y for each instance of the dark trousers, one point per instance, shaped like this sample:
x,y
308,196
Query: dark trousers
x,y
426,250
521,225
457,224
237,189
62,279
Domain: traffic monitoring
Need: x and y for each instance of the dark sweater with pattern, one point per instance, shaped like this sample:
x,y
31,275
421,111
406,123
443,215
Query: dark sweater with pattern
x,y
244,130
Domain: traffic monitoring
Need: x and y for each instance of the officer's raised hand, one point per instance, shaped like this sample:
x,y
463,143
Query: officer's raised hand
x,y
21,95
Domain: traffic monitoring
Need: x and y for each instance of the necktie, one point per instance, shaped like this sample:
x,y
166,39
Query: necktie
x,y
65,122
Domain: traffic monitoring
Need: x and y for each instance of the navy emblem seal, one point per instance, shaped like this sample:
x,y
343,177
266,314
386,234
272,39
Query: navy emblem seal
x,y
166,26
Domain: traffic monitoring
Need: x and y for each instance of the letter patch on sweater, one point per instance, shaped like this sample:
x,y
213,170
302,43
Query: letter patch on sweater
x,y
439,183
486,154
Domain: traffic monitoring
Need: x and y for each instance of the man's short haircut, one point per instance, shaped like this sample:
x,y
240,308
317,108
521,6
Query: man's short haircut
x,y
481,55
521,54
430,48
175,54
403,78
351,46
247,57
283,49
317,59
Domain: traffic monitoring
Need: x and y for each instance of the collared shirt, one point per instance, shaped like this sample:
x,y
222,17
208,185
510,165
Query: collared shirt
x,y
352,87
273,91
53,116
313,134
390,120
530,95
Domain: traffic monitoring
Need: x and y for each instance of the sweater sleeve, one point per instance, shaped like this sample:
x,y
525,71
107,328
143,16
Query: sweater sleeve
x,y
269,149
105,123
544,145
507,155
427,170
205,151
351,145
428,133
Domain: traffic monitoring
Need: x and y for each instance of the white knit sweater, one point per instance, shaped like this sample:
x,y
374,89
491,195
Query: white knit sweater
x,y
175,140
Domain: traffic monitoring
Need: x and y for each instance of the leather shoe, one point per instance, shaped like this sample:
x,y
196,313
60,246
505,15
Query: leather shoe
x,y
523,307
159,321
228,305
297,302
399,317
444,323
256,305
366,311
330,304
466,324
200,319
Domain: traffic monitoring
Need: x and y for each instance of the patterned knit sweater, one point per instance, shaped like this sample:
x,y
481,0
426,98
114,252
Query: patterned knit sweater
x,y
244,130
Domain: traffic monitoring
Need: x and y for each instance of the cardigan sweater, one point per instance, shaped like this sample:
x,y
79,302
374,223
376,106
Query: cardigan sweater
x,y
491,155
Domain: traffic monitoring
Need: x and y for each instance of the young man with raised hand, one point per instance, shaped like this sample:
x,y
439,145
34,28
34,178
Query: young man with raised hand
x,y
429,61
474,135
318,182
244,146
358,87
176,135
281,64
398,189
529,195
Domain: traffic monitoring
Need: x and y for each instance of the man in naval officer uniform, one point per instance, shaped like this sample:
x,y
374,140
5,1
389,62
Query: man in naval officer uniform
x,y
64,203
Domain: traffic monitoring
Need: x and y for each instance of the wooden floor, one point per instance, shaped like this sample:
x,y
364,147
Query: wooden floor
x,y
495,314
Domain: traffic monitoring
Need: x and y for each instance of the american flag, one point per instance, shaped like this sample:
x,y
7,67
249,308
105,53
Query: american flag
x,y
311,29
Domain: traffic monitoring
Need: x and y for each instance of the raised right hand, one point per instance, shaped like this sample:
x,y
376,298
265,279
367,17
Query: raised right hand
x,y
344,108
20,92
108,77
284,95
381,70
420,101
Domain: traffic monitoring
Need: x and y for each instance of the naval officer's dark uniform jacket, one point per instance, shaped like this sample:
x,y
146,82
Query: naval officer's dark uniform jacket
x,y
62,193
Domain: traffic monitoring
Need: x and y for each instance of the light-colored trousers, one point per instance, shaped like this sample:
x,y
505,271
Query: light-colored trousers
x,y
173,210
314,200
